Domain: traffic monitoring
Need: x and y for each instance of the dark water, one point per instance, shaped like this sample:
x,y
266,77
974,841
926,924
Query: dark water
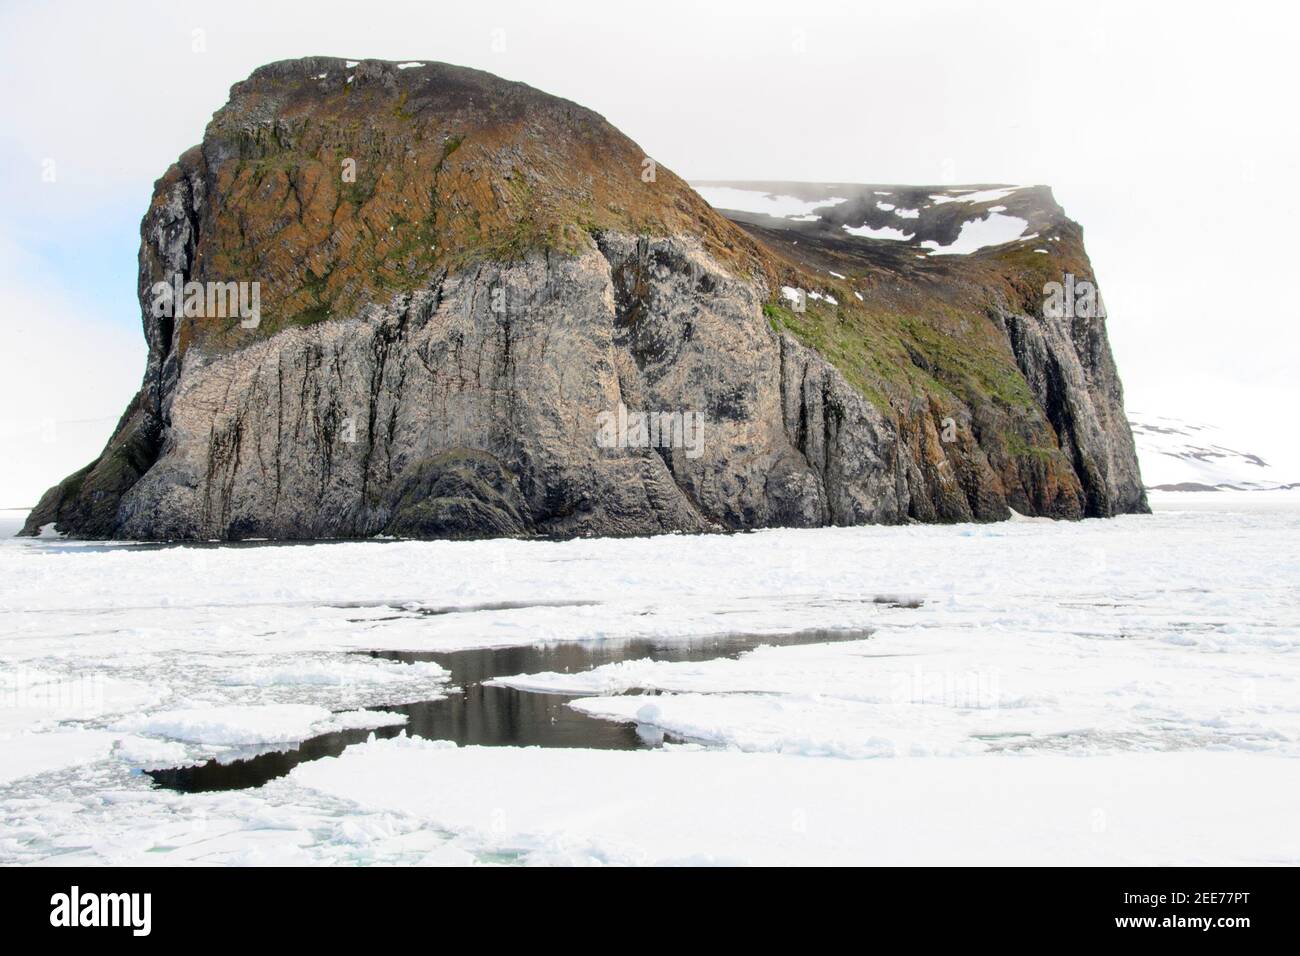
x,y
497,716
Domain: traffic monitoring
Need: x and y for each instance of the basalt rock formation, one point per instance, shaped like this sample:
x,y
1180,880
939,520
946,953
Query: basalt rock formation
x,y
461,278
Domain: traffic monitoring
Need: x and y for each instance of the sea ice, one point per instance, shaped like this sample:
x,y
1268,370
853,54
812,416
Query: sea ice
x,y
1031,691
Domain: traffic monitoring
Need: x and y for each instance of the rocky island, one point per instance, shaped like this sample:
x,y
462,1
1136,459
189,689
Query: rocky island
x,y
462,287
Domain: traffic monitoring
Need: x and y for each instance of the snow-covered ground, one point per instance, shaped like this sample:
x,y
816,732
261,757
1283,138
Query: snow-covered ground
x,y
1122,691
1181,455
989,227
769,204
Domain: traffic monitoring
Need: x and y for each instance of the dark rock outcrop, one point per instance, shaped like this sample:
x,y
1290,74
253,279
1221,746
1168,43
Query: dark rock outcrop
x,y
444,338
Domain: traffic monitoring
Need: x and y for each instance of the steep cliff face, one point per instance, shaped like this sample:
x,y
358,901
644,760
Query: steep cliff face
x,y
469,292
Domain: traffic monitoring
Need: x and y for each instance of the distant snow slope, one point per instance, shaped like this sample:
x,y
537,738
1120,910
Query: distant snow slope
x,y
1181,456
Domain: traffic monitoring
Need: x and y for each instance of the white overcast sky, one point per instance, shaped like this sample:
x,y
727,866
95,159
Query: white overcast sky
x,y
1167,130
